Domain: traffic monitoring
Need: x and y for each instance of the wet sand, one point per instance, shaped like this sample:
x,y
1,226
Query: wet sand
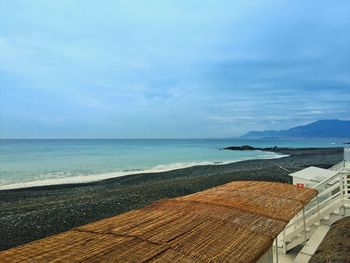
x,y
33,213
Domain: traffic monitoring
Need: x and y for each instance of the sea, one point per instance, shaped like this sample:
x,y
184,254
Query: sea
x,y
28,163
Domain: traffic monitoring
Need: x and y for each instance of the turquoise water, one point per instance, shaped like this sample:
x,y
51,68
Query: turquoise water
x,y
40,162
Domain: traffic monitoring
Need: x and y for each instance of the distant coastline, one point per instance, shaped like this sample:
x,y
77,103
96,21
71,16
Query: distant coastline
x,y
318,129
34,163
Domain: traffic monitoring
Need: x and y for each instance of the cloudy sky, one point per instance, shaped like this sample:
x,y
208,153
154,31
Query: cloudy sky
x,y
180,68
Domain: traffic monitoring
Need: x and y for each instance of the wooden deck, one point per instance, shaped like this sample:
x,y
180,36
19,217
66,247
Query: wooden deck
x,y
236,222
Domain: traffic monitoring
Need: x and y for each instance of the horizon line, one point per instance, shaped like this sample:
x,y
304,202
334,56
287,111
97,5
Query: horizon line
x,y
159,138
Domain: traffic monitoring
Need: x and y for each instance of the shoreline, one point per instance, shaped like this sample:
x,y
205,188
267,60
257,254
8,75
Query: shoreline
x,y
29,214
85,179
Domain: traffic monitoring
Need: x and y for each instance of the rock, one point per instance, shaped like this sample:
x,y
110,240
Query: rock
x,y
240,148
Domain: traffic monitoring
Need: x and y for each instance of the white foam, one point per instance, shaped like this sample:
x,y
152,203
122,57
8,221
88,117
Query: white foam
x,y
78,179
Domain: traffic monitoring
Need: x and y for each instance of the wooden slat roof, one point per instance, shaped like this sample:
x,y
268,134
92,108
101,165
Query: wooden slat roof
x,y
235,222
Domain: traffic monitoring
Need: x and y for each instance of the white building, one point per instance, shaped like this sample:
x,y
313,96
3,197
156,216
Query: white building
x,y
311,176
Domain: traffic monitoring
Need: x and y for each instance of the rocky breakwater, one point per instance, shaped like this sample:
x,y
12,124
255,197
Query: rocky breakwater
x,y
285,150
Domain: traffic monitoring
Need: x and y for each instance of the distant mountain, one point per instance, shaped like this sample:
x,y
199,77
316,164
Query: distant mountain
x,y
318,129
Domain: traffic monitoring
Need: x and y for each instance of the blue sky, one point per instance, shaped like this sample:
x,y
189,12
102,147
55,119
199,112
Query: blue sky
x,y
160,69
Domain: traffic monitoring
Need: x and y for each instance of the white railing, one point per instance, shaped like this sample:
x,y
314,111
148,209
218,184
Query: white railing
x,y
331,194
338,166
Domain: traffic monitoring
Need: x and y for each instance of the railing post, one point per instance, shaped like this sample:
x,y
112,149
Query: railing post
x,y
346,186
276,244
305,234
318,209
341,182
284,241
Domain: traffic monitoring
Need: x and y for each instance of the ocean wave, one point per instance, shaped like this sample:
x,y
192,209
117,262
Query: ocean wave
x,y
77,179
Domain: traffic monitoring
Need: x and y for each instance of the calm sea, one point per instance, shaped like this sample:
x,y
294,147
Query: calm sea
x,y
42,162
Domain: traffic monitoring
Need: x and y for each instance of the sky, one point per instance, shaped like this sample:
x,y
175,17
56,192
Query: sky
x,y
170,68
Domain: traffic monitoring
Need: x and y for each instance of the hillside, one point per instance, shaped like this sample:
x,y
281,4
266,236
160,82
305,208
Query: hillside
x,y
318,129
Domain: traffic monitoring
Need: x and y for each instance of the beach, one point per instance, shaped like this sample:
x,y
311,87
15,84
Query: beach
x,y
29,214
